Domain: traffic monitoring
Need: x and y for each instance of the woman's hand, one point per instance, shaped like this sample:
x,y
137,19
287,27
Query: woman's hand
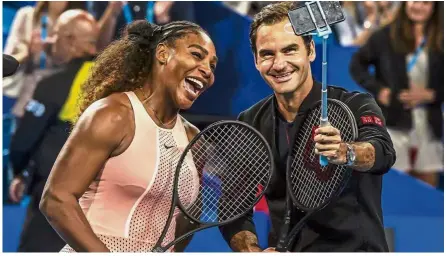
x,y
416,96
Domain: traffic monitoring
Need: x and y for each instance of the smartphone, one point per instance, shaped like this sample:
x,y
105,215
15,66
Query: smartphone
x,y
301,20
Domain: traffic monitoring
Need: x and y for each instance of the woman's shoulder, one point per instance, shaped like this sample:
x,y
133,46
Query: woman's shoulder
x,y
114,109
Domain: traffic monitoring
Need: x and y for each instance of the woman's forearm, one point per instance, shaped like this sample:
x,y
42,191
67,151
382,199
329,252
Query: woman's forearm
x,y
67,218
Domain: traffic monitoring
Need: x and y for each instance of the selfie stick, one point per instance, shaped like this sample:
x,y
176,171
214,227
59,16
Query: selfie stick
x,y
323,32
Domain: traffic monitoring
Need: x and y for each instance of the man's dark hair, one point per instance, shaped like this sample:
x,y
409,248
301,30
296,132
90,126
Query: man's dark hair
x,y
270,15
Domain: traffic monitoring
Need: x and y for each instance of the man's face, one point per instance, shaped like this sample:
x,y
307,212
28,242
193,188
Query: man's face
x,y
76,39
282,58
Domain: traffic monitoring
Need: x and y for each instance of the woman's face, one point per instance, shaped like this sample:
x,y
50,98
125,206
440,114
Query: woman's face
x,y
189,69
419,11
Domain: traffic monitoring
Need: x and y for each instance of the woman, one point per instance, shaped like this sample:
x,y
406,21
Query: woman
x,y
120,158
408,83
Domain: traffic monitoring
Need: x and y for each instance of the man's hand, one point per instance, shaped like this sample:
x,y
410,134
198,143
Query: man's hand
x,y
270,249
17,189
35,46
416,96
245,241
328,143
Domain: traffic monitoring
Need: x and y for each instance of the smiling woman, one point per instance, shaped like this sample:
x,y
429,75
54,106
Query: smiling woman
x,y
110,187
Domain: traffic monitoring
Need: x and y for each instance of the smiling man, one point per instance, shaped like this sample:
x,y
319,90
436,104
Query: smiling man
x,y
351,223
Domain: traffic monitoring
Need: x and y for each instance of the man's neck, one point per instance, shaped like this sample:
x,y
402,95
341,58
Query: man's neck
x,y
289,104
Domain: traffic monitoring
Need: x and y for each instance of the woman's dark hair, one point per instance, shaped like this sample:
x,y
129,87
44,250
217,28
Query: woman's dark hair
x,y
402,35
126,64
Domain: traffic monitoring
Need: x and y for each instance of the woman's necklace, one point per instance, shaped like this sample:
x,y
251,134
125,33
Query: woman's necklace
x,y
154,111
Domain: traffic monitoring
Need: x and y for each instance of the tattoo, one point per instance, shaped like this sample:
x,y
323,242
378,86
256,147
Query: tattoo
x,y
245,241
365,156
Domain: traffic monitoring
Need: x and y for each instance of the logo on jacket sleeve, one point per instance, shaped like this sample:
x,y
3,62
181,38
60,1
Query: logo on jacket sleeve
x,y
35,107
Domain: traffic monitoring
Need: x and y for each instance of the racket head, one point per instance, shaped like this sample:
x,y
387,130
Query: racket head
x,y
312,187
236,166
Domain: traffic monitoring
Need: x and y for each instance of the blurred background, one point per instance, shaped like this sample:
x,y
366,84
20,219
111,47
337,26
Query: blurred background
x,y
412,200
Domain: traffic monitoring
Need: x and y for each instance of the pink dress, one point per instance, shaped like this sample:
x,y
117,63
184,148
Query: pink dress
x,y
127,204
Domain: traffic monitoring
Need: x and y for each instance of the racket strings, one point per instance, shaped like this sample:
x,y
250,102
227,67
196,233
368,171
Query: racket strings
x,y
218,149
313,185
234,161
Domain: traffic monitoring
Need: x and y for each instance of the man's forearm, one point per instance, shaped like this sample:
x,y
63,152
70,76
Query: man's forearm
x,y
365,156
245,241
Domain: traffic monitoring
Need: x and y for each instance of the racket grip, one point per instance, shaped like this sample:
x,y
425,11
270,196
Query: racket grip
x,y
281,245
323,161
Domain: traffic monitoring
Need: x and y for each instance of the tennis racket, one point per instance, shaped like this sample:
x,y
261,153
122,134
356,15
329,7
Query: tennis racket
x,y
311,186
234,164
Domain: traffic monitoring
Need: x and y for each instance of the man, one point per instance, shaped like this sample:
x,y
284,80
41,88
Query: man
x,y
45,125
353,222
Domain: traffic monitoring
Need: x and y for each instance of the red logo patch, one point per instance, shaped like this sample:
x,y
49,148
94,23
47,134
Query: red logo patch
x,y
371,120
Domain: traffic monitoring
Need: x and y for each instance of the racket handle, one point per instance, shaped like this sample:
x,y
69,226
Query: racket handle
x,y
283,237
323,161
281,248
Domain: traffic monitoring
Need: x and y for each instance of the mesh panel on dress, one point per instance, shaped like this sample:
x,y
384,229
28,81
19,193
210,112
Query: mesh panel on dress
x,y
151,214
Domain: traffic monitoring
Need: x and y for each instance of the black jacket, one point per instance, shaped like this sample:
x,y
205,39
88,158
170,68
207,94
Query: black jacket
x,y
391,71
352,222
44,128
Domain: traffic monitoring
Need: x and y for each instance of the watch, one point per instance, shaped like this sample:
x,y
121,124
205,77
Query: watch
x,y
350,155
368,25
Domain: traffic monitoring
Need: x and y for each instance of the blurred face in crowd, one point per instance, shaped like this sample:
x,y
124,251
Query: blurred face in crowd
x,y
282,57
419,11
75,36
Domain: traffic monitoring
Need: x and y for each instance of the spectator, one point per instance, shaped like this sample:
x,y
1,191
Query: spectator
x,y
46,124
25,43
116,15
247,8
408,84
361,20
